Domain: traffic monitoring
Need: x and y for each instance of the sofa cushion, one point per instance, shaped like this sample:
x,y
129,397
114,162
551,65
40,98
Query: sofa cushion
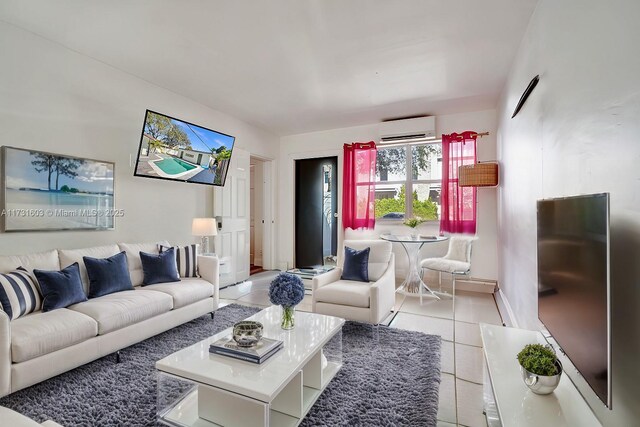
x,y
108,275
19,294
42,333
344,292
186,259
61,288
69,256
119,310
42,260
160,268
133,257
185,292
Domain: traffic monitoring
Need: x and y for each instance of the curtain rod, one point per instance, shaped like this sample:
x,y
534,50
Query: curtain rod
x,y
477,134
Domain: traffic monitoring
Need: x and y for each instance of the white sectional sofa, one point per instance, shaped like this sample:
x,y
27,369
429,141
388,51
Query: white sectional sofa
x,y
41,345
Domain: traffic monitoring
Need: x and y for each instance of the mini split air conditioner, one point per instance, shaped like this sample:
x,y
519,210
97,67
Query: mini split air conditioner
x,y
407,130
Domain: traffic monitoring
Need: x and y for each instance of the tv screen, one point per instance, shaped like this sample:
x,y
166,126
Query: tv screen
x,y
573,283
181,151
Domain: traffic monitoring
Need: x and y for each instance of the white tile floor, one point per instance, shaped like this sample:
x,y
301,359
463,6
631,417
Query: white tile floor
x,y
461,384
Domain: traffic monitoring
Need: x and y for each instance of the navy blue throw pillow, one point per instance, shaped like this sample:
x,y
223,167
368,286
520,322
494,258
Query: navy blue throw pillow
x,y
159,268
60,289
356,264
108,275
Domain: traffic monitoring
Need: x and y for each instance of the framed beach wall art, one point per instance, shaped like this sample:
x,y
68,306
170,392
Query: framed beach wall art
x,y
46,192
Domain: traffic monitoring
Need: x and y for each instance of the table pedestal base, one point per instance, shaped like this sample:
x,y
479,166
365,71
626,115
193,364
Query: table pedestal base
x,y
413,284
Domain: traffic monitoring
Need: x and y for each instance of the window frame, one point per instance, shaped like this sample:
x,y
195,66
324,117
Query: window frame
x,y
408,182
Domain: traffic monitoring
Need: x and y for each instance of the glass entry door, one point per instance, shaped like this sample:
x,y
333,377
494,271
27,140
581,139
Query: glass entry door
x,y
316,228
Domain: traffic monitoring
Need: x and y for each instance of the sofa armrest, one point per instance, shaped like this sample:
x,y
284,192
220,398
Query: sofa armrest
x,y
5,354
326,278
209,270
383,293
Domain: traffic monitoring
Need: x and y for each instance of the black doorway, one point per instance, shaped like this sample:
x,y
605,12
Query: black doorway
x,y
316,237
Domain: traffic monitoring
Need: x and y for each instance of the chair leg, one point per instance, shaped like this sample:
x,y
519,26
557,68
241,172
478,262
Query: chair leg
x,y
420,286
375,332
213,313
440,281
118,359
453,291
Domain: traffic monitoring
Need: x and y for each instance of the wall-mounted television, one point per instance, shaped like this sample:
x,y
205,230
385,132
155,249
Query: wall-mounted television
x,y
177,150
574,285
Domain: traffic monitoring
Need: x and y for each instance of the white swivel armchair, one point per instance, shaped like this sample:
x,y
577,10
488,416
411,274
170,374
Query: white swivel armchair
x,y
456,262
360,301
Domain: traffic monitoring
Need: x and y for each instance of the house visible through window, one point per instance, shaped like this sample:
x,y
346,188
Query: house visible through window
x,y
408,181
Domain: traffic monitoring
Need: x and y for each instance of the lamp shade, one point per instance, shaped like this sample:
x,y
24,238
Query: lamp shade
x,y
478,175
204,227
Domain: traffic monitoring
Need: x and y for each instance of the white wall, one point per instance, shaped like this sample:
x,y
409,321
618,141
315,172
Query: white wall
x,y
578,133
330,142
56,100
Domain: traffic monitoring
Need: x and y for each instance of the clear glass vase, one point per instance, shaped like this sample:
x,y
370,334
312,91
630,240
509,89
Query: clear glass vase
x,y
288,317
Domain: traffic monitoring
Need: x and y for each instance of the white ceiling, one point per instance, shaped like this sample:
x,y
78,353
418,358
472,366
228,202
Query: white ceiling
x,y
295,66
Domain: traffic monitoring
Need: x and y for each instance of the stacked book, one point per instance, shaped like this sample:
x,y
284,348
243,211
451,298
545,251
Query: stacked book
x,y
260,352
309,273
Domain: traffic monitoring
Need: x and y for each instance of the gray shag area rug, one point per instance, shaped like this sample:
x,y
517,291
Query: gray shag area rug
x,y
389,381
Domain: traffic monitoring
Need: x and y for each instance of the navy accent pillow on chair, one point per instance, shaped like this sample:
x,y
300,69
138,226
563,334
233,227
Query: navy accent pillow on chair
x,y
108,275
62,288
159,268
356,264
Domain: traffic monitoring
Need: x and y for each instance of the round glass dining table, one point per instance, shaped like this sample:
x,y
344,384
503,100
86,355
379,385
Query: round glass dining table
x,y
413,284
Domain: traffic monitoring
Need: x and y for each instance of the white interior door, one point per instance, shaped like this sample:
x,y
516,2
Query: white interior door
x,y
231,202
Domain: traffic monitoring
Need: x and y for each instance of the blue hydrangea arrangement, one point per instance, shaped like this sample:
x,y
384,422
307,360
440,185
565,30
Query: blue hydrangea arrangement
x,y
286,290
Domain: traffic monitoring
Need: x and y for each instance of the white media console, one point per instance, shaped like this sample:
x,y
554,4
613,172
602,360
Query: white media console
x,y
507,400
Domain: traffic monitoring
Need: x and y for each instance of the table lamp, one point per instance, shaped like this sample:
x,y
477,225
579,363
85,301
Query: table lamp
x,y
203,228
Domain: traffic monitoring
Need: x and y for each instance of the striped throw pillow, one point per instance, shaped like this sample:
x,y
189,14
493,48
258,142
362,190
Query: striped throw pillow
x,y
19,293
186,259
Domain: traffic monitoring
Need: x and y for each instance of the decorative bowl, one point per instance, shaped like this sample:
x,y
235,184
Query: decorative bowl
x,y
247,333
541,384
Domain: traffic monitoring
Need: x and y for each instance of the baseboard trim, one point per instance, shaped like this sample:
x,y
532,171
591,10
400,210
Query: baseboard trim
x,y
505,309
476,285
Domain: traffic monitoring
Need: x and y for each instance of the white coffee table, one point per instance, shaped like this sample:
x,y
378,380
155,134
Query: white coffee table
x,y
220,391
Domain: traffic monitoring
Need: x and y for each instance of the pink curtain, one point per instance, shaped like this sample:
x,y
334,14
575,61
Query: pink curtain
x,y
358,185
458,203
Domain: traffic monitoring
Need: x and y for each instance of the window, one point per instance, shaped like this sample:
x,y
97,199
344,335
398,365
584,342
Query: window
x,y
408,181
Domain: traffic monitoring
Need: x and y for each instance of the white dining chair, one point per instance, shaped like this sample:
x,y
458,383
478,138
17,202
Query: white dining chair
x,y
456,262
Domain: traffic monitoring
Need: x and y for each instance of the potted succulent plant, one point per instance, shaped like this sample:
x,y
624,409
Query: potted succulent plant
x,y
413,223
286,290
540,368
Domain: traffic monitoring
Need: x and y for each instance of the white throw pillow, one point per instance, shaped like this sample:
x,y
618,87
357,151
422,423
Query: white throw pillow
x,y
19,293
186,259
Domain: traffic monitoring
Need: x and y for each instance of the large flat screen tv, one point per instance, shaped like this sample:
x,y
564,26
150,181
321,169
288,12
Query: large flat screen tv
x,y
181,151
573,283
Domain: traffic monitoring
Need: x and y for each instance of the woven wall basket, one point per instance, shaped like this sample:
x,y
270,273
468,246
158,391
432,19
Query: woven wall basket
x,y
478,175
